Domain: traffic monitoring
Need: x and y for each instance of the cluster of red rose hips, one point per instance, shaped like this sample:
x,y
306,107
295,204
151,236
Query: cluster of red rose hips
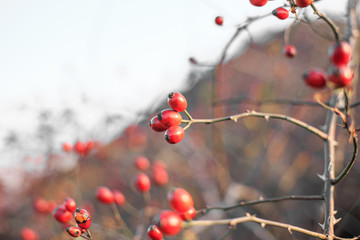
x,y
169,119
339,73
169,222
64,212
80,148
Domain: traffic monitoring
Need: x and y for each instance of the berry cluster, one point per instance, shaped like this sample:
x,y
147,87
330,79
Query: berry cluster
x,y
339,73
169,222
169,119
80,148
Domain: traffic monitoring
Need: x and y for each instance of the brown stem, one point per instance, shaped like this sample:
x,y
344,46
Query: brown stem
x,y
328,21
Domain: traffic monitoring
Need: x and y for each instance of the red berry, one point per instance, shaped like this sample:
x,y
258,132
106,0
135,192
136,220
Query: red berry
x,y
67,147
169,222
80,148
341,76
188,215
104,195
315,78
70,204
219,21
142,182
258,3
340,53
82,218
74,231
177,101
29,234
169,118
41,205
174,134
160,176
88,147
156,125
119,197
289,51
303,3
142,163
154,233
61,214
193,60
180,200
281,13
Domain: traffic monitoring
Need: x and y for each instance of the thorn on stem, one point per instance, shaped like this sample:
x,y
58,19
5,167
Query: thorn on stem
x,y
263,225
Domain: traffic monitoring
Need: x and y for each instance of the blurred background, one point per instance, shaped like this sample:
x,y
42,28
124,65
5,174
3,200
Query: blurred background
x,y
99,70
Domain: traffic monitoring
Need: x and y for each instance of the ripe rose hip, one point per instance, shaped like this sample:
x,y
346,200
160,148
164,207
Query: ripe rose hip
x,y
341,76
289,51
315,78
303,3
281,13
188,215
88,147
142,182
41,205
104,195
29,234
142,163
80,148
160,176
219,21
169,118
180,200
70,204
74,231
67,147
177,101
82,218
61,214
174,134
168,222
156,125
258,3
119,197
340,53
154,233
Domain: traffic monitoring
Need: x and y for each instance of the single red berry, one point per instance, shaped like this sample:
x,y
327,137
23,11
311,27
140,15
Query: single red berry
x,y
41,206
74,231
340,53
29,234
104,195
168,222
177,101
340,76
303,3
67,147
174,134
80,148
160,176
180,200
88,147
315,78
70,204
51,206
193,60
142,182
156,125
219,20
154,233
188,215
169,117
289,51
82,218
258,3
281,13
61,214
142,163
119,197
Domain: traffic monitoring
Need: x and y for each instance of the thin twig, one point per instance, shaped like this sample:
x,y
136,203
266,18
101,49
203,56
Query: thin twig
x,y
266,116
346,170
328,21
260,201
